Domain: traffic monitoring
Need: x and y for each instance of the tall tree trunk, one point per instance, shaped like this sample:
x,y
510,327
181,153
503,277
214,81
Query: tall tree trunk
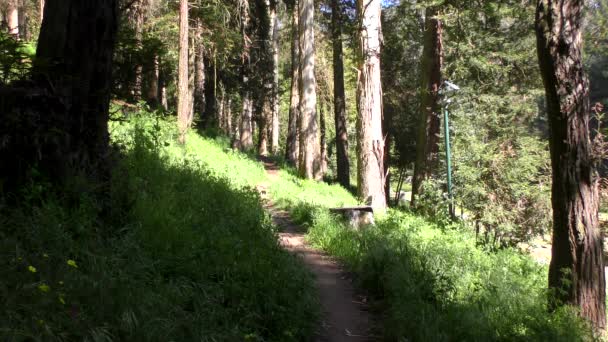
x,y
152,82
41,9
246,129
388,133
322,123
24,31
370,142
264,114
576,270
221,107
13,19
183,94
199,71
137,12
339,96
275,79
210,92
310,166
292,144
75,50
228,116
162,83
427,144
265,95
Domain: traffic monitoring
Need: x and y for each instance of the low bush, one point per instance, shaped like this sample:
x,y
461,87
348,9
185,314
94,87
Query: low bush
x,y
181,251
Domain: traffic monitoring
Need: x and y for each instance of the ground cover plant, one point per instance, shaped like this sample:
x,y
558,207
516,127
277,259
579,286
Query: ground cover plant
x,y
434,280
179,252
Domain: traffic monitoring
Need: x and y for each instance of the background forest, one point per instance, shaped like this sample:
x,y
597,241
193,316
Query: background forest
x,y
198,89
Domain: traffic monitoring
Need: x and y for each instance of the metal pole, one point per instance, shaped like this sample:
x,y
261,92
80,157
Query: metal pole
x,y
448,158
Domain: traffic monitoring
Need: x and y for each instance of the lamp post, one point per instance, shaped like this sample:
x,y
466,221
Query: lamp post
x,y
447,89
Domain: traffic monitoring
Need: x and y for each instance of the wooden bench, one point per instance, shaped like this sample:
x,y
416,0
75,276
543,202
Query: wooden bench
x,y
357,217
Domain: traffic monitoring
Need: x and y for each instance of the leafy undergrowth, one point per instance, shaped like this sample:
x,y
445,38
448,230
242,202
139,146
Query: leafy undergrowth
x,y
181,251
435,282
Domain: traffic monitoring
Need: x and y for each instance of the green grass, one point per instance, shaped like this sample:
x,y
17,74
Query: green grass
x,y
179,250
433,281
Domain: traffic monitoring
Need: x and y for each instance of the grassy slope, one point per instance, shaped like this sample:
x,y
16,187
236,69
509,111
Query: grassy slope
x,y
182,251
436,283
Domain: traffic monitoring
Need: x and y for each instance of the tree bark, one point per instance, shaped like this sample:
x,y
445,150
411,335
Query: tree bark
x,y
183,94
199,71
13,19
210,90
292,144
137,12
246,129
275,127
576,271
427,144
41,9
228,117
322,123
369,100
153,82
74,61
310,166
343,164
221,108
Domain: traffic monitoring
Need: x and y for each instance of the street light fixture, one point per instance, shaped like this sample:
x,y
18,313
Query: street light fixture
x,y
448,89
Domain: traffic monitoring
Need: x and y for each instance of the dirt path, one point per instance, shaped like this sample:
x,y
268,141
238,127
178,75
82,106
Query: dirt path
x,y
345,315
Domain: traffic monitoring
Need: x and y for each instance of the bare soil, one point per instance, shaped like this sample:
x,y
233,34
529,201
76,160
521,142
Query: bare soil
x,y
345,314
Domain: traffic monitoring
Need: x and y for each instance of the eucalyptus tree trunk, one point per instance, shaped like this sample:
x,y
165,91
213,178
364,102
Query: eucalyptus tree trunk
x,y
246,131
343,163
427,144
41,9
199,71
309,166
274,140
292,151
576,271
183,94
370,144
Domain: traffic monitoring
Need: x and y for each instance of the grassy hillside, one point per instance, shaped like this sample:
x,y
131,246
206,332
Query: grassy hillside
x,y
179,250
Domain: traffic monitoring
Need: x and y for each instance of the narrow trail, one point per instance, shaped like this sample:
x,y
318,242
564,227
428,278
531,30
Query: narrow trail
x,y
344,314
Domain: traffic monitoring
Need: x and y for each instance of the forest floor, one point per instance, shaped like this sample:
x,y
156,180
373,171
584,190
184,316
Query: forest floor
x,y
345,313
